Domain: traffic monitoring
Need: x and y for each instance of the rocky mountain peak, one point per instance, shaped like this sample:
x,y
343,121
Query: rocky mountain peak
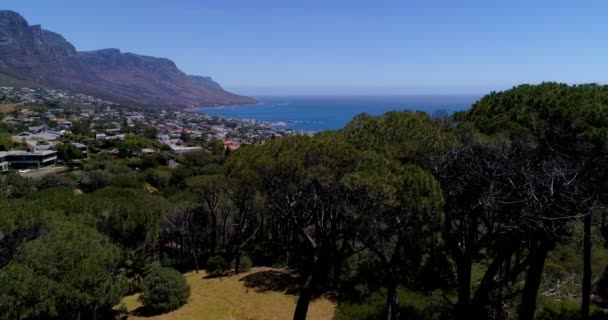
x,y
12,18
33,56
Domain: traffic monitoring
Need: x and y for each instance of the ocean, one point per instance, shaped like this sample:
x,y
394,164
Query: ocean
x,y
330,113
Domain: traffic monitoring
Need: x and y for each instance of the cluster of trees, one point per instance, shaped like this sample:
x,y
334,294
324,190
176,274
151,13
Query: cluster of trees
x,y
477,215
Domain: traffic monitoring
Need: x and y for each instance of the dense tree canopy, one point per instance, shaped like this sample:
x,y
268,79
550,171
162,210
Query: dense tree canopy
x,y
497,212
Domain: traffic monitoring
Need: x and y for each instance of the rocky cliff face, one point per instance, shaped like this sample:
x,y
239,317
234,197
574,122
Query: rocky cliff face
x,y
32,56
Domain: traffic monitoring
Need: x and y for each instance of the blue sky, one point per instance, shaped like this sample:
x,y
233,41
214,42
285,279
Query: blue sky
x,y
346,47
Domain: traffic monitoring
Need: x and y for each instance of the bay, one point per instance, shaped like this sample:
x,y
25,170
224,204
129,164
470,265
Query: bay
x,y
307,113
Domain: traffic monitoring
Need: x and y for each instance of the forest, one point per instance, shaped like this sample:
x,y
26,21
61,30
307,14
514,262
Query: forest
x,y
497,212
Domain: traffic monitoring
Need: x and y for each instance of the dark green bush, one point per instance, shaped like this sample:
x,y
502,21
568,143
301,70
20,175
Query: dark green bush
x,y
158,178
13,185
244,265
413,305
216,265
564,309
164,289
54,181
601,287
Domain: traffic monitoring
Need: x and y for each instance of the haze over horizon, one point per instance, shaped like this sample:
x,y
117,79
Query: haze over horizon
x,y
344,47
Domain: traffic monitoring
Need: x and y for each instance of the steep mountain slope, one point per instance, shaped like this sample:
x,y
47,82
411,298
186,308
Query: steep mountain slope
x,y
32,56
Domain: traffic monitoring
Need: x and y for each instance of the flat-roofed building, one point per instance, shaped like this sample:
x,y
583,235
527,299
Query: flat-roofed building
x,y
18,159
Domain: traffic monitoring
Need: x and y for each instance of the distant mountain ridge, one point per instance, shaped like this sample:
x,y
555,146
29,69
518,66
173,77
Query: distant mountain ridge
x,y
34,57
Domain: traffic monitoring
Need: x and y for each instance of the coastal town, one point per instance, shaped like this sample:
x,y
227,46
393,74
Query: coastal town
x,y
37,125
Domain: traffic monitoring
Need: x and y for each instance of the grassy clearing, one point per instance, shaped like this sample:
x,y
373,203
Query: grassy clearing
x,y
229,298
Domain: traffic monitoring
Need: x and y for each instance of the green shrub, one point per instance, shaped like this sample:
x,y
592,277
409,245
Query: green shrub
x,y
369,309
164,289
412,305
601,287
244,265
158,178
54,181
13,185
564,309
216,265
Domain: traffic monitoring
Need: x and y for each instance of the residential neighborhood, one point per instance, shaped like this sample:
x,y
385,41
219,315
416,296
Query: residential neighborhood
x,y
40,122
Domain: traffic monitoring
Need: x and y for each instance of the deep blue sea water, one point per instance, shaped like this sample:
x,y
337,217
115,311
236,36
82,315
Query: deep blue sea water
x,y
322,113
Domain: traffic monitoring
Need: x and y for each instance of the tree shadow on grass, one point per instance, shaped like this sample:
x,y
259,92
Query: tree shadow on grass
x,y
145,312
272,280
217,275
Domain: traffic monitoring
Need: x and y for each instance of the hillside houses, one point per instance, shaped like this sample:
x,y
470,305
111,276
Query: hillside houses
x,y
38,138
42,119
43,95
176,144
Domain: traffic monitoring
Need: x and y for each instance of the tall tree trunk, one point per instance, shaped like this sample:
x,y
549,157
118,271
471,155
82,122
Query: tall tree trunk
x,y
306,291
307,287
195,259
237,260
478,308
504,275
538,253
338,263
586,288
288,245
224,222
213,242
463,269
392,297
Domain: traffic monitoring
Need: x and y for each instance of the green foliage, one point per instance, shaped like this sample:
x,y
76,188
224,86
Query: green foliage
x,y
130,217
364,203
164,289
207,185
94,180
68,271
55,181
68,152
150,132
133,144
6,142
216,265
564,309
158,178
13,185
202,162
216,147
153,160
244,265
26,295
179,176
539,109
404,136
601,288
133,269
117,176
81,128
413,305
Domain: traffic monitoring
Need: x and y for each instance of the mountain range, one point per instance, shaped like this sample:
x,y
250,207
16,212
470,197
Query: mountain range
x,y
33,57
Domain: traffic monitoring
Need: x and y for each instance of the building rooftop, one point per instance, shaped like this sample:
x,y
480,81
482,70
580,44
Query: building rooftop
x,y
28,153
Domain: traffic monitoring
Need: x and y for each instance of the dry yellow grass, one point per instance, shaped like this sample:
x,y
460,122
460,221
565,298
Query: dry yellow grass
x,y
228,299
6,108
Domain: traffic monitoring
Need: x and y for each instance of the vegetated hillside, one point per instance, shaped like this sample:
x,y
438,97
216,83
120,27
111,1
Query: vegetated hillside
x,y
34,57
495,213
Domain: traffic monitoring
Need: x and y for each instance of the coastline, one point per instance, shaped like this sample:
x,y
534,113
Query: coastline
x,y
316,114
274,125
